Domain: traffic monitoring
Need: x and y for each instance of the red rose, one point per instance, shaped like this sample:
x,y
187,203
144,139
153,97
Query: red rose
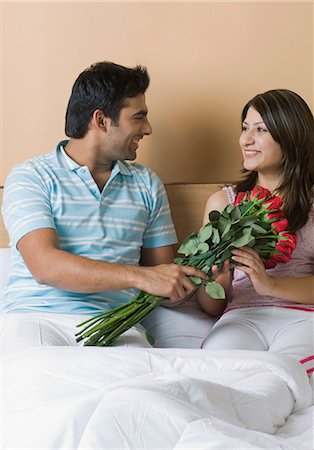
x,y
275,215
239,198
282,225
285,249
281,258
273,203
290,236
259,192
289,239
286,243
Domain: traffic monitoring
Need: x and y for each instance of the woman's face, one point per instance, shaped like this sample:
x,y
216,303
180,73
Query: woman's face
x,y
261,153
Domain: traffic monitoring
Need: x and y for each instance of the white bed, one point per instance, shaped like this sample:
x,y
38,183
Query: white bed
x,y
128,398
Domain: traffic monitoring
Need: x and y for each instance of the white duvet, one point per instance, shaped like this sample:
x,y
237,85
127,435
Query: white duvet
x,y
126,398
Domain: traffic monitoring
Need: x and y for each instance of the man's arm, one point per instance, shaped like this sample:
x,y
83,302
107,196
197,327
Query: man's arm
x,y
157,255
52,266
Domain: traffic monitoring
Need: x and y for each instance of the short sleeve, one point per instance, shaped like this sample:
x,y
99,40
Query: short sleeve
x,y
26,203
160,230
231,193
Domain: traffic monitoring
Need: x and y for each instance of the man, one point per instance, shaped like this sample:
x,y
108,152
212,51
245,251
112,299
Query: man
x,y
87,228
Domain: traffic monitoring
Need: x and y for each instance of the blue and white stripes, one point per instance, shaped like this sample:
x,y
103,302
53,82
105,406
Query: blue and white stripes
x,y
53,191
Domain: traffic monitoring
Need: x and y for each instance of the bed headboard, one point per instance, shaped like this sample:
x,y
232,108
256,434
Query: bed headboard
x,y
187,203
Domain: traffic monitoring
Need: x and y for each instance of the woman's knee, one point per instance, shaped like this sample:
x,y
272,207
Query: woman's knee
x,y
234,336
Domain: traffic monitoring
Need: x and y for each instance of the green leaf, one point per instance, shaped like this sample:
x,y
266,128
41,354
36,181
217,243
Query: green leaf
x,y
235,213
226,228
205,233
188,239
216,236
196,280
259,229
203,247
228,209
248,220
214,217
178,260
242,241
215,290
190,246
224,224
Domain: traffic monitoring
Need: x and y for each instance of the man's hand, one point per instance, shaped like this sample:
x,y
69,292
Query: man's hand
x,y
170,280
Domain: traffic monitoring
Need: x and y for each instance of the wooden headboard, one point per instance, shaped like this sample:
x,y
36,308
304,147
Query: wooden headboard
x,y
187,203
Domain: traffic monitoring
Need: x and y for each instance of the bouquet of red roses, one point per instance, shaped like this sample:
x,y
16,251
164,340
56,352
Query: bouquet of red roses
x,y
255,220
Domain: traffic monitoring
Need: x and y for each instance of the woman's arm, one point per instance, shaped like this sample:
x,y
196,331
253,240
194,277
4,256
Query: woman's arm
x,y
297,289
294,289
218,201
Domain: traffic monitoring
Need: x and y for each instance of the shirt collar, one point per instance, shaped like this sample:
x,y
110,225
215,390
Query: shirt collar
x,y
123,167
68,163
63,158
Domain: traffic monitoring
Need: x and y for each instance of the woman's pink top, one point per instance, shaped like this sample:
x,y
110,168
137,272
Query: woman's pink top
x,y
301,264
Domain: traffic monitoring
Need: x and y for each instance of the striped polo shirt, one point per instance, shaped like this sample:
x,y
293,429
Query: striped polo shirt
x,y
53,191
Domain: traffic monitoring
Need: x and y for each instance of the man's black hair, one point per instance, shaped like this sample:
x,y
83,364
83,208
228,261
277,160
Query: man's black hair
x,y
103,86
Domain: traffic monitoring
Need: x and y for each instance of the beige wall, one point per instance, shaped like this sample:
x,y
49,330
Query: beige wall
x,y
205,60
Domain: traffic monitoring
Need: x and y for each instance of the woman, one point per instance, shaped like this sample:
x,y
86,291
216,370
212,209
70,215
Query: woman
x,y
271,309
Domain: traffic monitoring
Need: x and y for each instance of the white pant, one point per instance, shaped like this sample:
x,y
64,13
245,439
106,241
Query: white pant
x,y
23,330
277,329
185,326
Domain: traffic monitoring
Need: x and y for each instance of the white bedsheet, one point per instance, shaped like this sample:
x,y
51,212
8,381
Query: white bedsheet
x,y
126,398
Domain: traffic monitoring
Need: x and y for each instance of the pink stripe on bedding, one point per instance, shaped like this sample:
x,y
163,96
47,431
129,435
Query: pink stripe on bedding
x,y
307,360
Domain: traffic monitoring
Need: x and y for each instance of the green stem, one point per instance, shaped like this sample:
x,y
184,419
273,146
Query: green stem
x,y
114,318
132,320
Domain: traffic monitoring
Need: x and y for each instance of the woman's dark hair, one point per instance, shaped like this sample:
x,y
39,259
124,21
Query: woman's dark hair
x,y
290,122
103,86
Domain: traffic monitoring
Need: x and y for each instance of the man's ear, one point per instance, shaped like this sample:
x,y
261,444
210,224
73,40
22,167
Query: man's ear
x,y
100,121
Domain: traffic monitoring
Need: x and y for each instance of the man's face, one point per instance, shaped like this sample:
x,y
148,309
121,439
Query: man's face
x,y
123,138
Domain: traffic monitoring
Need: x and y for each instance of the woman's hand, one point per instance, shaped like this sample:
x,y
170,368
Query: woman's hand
x,y
225,268
249,261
